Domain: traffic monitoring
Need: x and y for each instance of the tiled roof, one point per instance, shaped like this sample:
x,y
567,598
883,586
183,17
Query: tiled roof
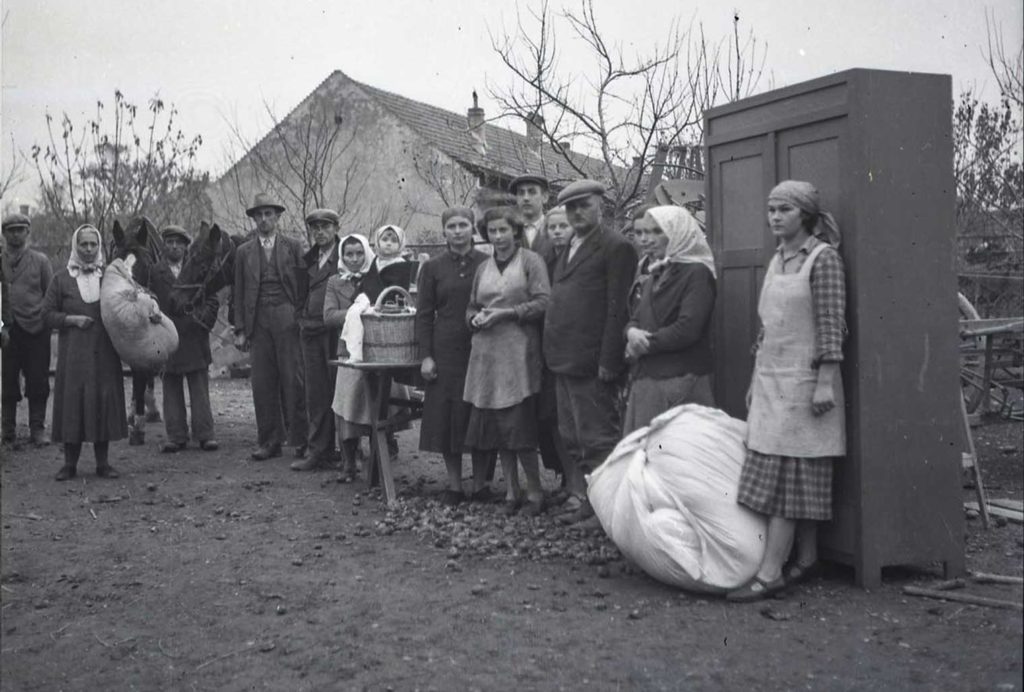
x,y
507,152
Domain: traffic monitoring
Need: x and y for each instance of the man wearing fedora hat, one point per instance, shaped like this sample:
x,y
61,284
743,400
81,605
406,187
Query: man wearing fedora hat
x,y
26,342
191,361
267,296
584,343
319,342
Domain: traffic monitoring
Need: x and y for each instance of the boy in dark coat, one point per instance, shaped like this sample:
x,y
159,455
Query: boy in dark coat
x,y
192,360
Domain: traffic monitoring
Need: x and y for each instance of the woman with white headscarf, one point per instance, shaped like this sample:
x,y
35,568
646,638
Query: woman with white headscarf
x,y
88,392
796,421
668,340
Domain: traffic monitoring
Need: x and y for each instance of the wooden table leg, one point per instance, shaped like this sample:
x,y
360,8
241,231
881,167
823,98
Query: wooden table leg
x,y
986,381
381,388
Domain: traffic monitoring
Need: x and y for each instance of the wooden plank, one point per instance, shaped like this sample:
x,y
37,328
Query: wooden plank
x,y
1015,505
985,578
962,598
1008,514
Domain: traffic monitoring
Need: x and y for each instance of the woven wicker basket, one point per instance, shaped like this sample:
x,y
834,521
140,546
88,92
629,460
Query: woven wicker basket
x,y
389,332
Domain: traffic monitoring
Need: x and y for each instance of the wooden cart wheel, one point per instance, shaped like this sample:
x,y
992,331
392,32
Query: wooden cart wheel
x,y
971,366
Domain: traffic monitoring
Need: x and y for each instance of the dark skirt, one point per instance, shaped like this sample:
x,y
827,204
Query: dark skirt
x,y
789,487
512,428
445,417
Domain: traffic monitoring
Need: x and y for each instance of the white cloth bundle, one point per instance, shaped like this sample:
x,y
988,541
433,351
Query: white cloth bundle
x,y
352,330
125,308
666,496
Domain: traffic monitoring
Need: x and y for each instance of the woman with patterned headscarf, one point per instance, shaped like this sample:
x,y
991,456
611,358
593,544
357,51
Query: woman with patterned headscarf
x,y
796,422
88,392
668,337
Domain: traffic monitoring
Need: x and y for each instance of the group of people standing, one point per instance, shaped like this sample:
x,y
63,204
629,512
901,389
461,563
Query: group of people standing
x,y
525,353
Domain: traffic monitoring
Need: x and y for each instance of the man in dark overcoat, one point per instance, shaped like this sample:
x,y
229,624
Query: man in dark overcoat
x,y
266,299
191,361
26,341
584,344
319,342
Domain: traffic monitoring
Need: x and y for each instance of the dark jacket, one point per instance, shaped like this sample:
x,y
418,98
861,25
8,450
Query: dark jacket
x,y
288,253
583,326
26,279
675,306
193,351
313,286
443,289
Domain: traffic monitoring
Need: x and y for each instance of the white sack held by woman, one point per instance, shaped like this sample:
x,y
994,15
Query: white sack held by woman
x,y
125,308
666,496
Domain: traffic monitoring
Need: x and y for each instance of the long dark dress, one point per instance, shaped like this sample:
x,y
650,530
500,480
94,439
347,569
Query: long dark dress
x,y
88,394
443,289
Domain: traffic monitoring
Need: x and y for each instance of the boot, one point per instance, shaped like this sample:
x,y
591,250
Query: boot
x,y
152,412
37,422
70,467
103,467
137,431
8,427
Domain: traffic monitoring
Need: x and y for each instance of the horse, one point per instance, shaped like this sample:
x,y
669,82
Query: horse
x,y
139,241
209,266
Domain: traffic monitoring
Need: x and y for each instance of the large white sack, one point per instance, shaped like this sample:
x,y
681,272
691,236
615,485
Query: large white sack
x,y
125,308
667,497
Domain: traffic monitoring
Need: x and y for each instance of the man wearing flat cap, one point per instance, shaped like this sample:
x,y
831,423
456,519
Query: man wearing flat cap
x,y
267,296
191,361
26,342
584,343
319,342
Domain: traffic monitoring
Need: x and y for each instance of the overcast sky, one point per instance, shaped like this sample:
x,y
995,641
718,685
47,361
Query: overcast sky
x,y
217,61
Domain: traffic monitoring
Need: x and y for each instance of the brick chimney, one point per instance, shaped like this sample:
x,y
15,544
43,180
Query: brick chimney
x,y
535,132
565,145
475,119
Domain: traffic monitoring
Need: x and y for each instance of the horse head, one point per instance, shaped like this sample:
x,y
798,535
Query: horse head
x,y
138,241
208,267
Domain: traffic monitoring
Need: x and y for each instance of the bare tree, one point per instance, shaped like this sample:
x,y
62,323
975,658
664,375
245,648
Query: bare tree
x,y
13,171
136,161
299,160
620,108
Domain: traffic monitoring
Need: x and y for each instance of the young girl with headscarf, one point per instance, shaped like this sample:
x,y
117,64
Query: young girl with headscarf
x,y
88,393
390,267
668,340
796,421
351,395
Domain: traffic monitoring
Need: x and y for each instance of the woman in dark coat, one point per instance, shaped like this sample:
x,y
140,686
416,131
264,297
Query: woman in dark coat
x,y
443,290
88,394
668,336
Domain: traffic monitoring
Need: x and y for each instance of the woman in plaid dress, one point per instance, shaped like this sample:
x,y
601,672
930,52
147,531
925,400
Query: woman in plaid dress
x,y
796,424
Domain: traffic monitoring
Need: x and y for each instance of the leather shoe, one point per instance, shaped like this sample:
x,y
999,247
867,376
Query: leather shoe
x,y
310,464
172,447
264,453
584,512
300,451
209,445
107,471
756,589
65,473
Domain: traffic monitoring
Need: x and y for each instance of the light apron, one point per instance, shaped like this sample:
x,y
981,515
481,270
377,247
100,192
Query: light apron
x,y
781,421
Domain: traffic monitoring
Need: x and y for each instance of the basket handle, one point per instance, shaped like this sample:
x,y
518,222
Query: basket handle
x,y
380,299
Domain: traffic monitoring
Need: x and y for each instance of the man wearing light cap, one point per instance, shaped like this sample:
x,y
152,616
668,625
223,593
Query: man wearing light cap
x,y
26,342
266,297
584,343
191,361
319,343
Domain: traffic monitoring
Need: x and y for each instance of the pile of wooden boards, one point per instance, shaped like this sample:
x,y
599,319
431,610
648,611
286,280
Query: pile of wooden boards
x,y
1011,510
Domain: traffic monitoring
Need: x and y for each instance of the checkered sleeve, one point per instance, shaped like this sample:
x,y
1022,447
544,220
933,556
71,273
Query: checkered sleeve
x,y
828,290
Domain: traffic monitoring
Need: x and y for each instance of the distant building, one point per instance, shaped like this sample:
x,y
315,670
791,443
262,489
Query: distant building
x,y
394,160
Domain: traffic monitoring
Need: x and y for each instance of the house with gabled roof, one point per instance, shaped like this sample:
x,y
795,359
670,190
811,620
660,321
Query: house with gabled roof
x,y
393,160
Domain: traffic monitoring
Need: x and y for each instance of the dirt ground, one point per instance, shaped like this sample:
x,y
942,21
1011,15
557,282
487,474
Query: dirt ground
x,y
205,571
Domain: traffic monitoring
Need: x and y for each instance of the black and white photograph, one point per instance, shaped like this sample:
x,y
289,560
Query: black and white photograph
x,y
497,345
